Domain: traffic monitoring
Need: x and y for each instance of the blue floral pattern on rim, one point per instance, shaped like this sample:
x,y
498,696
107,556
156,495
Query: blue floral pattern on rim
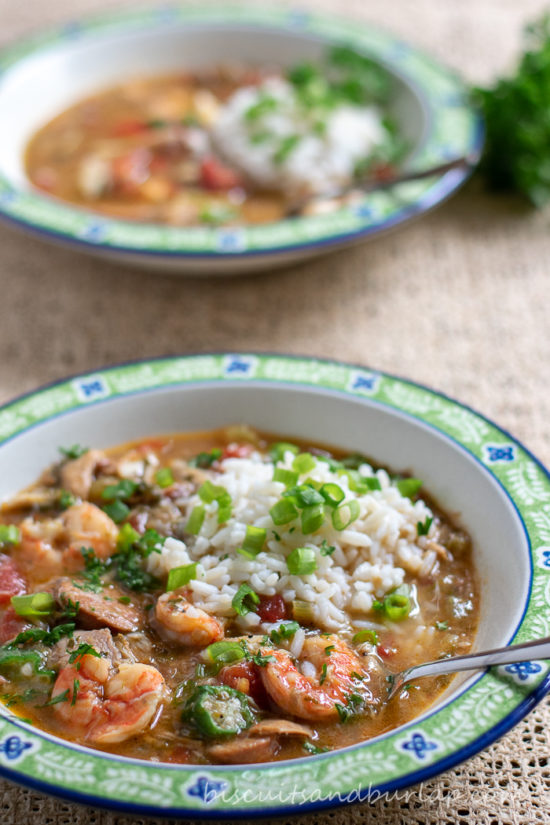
x,y
454,129
450,734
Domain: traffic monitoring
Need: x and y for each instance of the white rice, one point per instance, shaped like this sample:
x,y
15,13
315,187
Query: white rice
x,y
318,162
371,556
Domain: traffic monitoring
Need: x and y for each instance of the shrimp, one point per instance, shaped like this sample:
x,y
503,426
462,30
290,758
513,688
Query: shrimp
x,y
52,546
180,621
105,705
88,526
331,672
77,475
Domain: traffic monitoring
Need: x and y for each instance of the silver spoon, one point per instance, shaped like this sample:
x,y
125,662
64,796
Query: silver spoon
x,y
376,184
539,649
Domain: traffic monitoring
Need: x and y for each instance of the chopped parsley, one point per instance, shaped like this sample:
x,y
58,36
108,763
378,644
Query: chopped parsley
x,y
76,686
66,499
55,700
83,649
326,549
423,527
309,747
75,451
323,673
37,635
205,460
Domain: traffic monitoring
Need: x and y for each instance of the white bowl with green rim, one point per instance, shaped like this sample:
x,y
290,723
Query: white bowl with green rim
x,y
42,76
472,467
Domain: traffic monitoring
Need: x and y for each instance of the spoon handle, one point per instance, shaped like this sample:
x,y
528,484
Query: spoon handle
x,y
539,649
367,185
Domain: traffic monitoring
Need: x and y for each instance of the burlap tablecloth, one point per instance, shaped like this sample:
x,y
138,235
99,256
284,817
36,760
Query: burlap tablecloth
x,y
457,300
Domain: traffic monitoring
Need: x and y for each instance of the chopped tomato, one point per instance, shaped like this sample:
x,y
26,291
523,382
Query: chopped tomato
x,y
385,651
131,170
235,450
244,676
129,127
10,625
272,609
12,582
215,175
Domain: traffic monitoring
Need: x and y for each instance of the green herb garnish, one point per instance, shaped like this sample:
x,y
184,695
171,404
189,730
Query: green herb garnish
x,y
517,138
9,534
245,600
301,561
83,649
179,576
75,451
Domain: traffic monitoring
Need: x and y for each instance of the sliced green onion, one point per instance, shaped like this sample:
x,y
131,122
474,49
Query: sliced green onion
x,y
312,518
178,576
253,541
312,482
286,477
223,653
126,537
9,534
343,515
442,625
195,520
209,492
305,495
277,451
303,463
302,611
333,494
164,477
283,512
33,605
117,511
301,561
409,486
284,631
397,606
365,636
245,600
371,482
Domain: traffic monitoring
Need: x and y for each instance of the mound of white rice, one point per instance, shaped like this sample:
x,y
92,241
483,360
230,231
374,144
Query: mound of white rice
x,y
317,162
371,556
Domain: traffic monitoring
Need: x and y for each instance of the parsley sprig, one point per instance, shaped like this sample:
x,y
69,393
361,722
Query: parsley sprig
x,y
517,143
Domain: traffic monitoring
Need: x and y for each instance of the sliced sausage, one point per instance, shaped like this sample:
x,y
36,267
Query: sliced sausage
x,y
98,609
244,751
100,640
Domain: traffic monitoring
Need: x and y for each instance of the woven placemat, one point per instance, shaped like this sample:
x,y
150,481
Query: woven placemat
x,y
457,300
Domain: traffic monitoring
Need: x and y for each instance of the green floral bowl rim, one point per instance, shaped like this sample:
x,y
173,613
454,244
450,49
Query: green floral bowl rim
x,y
415,752
455,129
